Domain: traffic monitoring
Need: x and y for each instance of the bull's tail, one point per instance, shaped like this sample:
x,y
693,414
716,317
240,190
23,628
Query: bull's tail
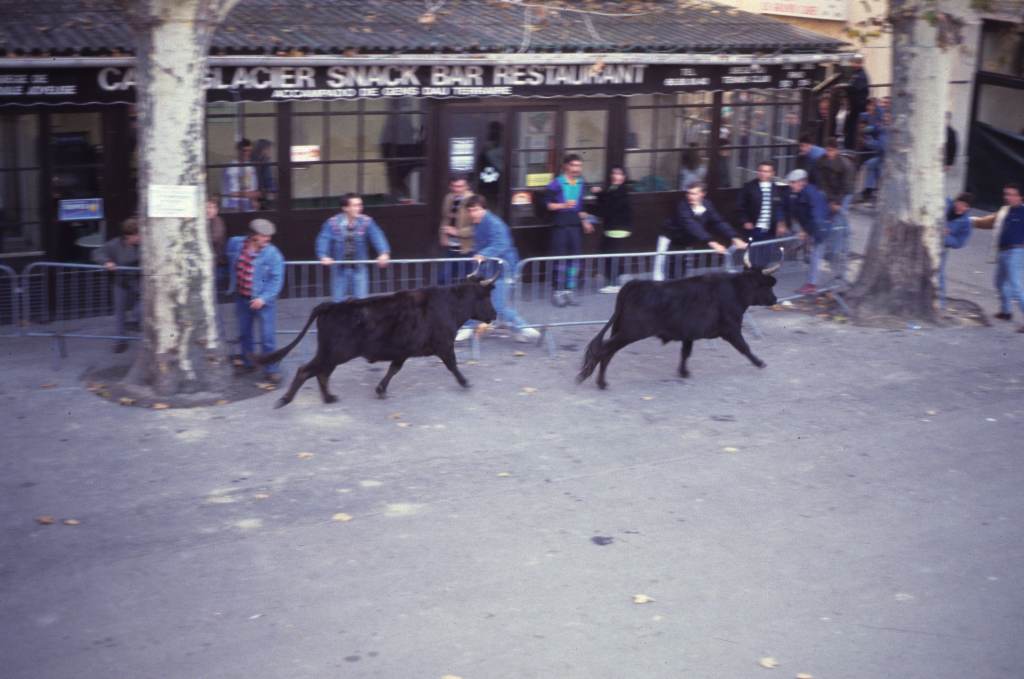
x,y
276,356
593,355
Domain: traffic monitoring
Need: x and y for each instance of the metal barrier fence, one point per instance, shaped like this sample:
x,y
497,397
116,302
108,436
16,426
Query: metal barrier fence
x,y
10,316
76,300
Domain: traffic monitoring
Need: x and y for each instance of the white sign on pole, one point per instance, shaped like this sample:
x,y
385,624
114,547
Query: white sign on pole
x,y
169,200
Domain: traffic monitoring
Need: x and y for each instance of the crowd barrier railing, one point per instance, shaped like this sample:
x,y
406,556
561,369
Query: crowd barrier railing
x,y
10,311
65,301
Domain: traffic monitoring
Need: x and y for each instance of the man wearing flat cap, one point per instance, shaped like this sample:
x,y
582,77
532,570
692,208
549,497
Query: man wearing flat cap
x,y
256,270
808,207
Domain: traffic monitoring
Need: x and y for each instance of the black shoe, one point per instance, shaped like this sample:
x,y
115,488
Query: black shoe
x,y
121,347
1003,316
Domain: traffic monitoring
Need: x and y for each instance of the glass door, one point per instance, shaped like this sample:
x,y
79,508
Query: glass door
x,y
76,183
475,142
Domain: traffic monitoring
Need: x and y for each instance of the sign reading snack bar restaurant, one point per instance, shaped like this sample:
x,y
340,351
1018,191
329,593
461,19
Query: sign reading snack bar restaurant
x,y
284,83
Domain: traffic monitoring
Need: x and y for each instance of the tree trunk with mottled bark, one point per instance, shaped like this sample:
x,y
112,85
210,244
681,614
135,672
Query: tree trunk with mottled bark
x,y
181,350
902,258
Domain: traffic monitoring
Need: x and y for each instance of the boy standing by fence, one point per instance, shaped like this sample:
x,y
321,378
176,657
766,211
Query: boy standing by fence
x,y
123,252
565,200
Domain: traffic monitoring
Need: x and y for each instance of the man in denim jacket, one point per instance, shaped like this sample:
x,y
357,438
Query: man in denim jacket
x,y
344,237
256,272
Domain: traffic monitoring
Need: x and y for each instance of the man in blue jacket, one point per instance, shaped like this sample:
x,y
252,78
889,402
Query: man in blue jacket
x,y
955,235
565,196
344,237
809,207
492,238
256,273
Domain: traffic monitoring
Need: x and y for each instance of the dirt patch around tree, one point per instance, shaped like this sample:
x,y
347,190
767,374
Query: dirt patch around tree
x,y
108,383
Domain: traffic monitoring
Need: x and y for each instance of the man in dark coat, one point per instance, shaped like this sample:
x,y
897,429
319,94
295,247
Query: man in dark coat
x,y
857,90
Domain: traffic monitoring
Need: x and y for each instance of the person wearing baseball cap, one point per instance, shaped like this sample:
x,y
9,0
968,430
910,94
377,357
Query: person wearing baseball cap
x,y
256,272
808,206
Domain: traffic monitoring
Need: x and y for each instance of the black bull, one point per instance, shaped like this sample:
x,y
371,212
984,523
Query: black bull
x,y
392,328
694,308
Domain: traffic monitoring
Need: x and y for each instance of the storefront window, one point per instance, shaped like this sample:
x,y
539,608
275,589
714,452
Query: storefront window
x,y
757,125
241,155
586,134
667,139
375,148
20,229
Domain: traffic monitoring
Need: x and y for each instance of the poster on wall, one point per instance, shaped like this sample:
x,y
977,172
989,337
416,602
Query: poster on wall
x,y
830,10
80,210
461,154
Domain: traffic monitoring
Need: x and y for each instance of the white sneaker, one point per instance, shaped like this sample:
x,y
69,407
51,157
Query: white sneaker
x,y
463,334
609,289
527,335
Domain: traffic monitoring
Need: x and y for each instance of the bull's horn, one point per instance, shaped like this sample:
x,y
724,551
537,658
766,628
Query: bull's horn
x,y
484,281
775,267
746,258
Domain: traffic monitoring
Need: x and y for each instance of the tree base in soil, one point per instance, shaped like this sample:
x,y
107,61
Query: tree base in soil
x,y
114,384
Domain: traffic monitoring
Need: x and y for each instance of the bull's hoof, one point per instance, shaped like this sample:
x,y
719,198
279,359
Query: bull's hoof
x,y
330,398
760,364
464,384
602,385
381,393
684,373
282,402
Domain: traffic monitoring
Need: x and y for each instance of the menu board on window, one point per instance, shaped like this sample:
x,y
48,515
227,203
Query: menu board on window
x,y
461,153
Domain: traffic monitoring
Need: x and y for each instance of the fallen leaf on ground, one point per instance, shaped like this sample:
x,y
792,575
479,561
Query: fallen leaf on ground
x,y
472,362
160,406
71,522
48,385
730,449
221,402
304,456
261,496
647,398
529,390
931,412
426,18
451,676
341,517
504,473
768,663
519,353
95,387
125,401
642,599
266,386
804,675
402,424
45,520
395,416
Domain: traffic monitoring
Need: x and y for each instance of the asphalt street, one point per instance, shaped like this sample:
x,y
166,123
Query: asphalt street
x,y
852,510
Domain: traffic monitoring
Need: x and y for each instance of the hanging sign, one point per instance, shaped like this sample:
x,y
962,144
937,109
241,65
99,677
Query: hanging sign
x,y
80,210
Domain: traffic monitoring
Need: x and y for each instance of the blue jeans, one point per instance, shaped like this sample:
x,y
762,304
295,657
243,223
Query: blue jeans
x,y
566,240
840,231
872,171
268,324
450,273
1010,279
345,278
817,254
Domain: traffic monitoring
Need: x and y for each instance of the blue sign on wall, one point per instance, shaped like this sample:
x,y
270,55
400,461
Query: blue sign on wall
x,y
80,209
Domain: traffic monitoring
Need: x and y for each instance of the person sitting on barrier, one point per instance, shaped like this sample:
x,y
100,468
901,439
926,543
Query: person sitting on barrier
x,y
115,253
343,238
697,226
456,230
616,212
808,207
762,210
256,275
955,234
565,196
494,239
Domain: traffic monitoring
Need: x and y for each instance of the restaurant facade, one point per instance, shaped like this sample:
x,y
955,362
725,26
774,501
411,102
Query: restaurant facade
x,y
394,124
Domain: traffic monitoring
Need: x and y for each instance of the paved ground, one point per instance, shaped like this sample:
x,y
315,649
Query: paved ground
x,y
853,510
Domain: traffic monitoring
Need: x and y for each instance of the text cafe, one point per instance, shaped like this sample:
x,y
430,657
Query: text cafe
x,y
393,129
